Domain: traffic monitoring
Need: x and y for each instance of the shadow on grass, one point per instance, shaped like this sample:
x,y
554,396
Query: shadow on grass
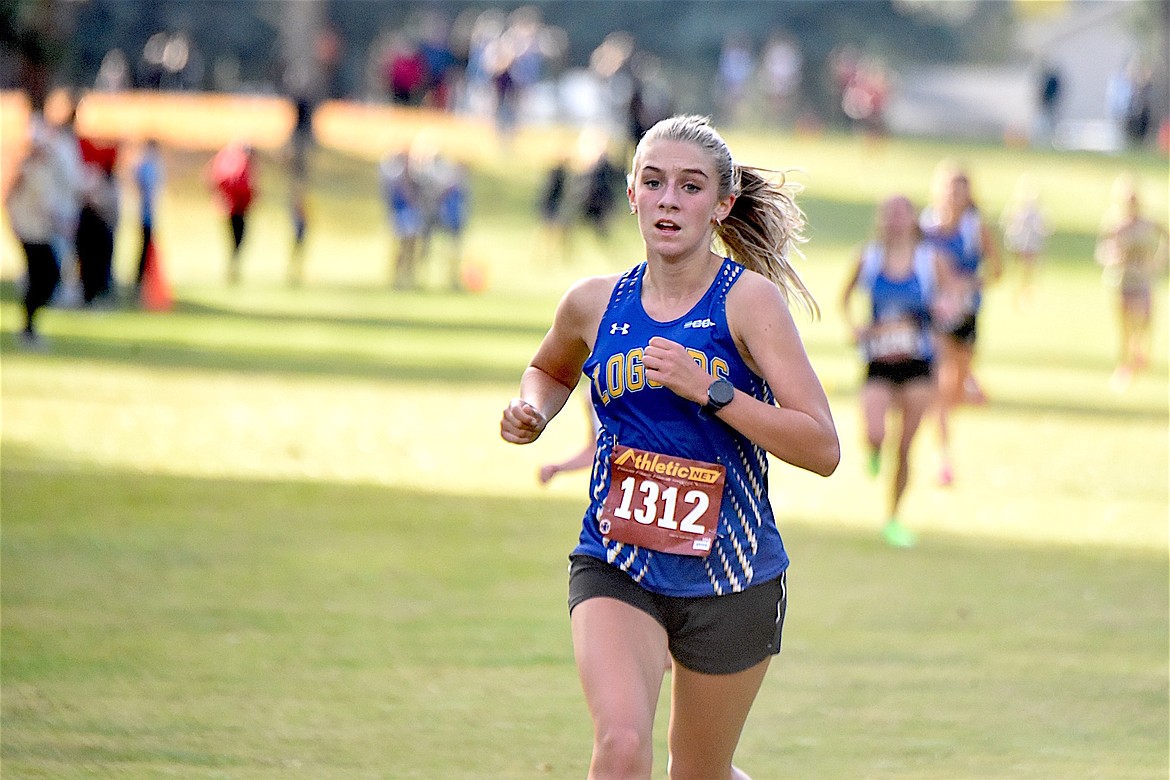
x,y
163,354
431,321
422,324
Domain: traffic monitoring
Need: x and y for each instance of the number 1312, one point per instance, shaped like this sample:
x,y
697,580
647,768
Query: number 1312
x,y
653,497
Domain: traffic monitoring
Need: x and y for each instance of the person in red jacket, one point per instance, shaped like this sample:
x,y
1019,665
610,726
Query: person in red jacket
x,y
232,177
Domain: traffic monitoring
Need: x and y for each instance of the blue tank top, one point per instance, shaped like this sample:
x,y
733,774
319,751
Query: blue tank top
x,y
748,548
964,245
907,298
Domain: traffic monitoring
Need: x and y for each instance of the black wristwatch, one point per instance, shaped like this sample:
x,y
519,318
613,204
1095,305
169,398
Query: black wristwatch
x,y
719,394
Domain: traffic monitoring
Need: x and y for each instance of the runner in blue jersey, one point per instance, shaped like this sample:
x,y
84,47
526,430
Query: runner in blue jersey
x,y
955,224
909,285
697,374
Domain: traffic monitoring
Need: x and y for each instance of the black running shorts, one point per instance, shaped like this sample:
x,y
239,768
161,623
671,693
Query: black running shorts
x,y
708,634
900,373
965,331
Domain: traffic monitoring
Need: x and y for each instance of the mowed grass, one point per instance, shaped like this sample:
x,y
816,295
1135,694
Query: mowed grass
x,y
273,533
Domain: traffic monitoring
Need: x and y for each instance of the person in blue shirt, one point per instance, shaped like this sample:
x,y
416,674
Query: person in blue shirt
x,y
909,286
697,373
148,176
401,195
452,206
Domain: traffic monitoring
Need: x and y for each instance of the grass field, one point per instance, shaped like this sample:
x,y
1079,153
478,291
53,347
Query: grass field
x,y
274,534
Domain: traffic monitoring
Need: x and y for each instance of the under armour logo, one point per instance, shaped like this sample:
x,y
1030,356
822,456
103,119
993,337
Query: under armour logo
x,y
623,329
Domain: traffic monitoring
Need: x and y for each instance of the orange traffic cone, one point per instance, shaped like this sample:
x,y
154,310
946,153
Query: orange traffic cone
x,y
156,293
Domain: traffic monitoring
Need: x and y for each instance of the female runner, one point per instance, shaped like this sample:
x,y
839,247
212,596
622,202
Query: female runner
x,y
697,373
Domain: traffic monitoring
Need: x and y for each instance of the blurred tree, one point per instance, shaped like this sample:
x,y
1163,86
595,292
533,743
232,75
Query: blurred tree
x,y
34,36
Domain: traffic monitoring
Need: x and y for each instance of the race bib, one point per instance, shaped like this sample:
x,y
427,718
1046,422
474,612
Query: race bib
x,y
892,342
662,502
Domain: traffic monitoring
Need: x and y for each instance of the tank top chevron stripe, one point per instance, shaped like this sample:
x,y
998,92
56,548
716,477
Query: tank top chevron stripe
x,y
748,548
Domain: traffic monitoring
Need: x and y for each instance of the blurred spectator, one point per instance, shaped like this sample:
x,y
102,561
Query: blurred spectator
x,y
150,65
438,60
426,196
329,51
114,73
482,45
97,221
844,63
402,197
452,202
170,61
1049,92
866,91
298,209
604,183
302,83
404,71
232,177
530,45
585,187
780,76
31,213
181,63
553,207
148,178
302,136
506,94
1129,96
68,179
651,99
1119,95
610,67
736,66
1138,112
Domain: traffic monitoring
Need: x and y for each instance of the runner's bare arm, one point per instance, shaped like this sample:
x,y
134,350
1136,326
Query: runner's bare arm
x,y
846,302
799,429
555,369
991,253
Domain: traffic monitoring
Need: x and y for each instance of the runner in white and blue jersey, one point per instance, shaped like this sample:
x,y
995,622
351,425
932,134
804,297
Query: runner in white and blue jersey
x,y
697,374
908,285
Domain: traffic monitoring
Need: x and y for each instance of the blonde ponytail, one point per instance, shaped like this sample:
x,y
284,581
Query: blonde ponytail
x,y
764,227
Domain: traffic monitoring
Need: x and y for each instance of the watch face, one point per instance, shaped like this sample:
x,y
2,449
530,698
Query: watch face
x,y
721,392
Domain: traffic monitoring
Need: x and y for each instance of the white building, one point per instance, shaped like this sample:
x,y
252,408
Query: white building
x,y
1087,43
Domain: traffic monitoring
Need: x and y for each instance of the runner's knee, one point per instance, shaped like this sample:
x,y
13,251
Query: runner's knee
x,y
622,751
